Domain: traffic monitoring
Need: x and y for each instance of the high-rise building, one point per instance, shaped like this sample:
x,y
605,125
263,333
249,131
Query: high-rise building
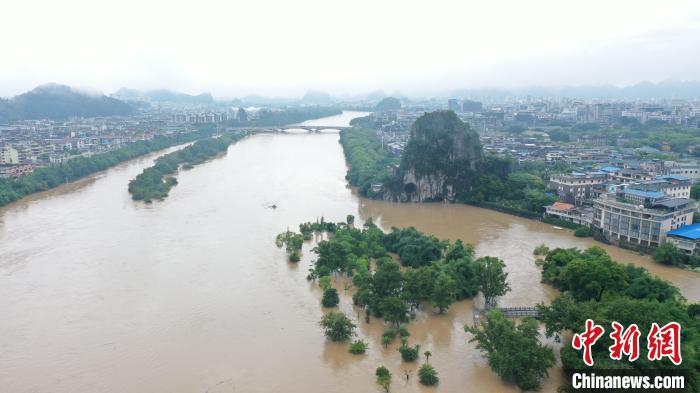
x,y
453,105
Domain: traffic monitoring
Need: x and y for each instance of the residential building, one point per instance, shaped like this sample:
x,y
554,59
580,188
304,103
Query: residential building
x,y
9,155
577,187
570,213
687,238
632,217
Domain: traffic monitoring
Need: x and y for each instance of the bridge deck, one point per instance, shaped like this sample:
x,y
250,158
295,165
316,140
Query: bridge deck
x,y
510,312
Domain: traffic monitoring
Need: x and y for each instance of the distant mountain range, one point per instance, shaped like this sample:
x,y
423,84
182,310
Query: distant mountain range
x,y
163,96
641,90
54,101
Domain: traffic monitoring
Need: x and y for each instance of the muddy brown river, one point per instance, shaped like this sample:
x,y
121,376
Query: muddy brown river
x,y
102,294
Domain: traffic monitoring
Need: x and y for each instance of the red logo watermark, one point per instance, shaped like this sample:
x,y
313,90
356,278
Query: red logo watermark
x,y
662,342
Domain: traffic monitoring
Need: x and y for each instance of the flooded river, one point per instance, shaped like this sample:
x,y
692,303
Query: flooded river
x,y
99,293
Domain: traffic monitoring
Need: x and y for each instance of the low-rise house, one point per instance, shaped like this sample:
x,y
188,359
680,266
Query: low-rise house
x,y
687,238
570,213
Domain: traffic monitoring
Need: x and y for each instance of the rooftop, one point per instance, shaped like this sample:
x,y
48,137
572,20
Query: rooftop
x,y
687,231
643,194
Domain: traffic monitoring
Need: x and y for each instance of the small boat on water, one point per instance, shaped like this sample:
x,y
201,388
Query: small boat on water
x,y
556,227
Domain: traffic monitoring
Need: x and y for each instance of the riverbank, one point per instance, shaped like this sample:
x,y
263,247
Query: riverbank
x,y
372,170
50,177
155,182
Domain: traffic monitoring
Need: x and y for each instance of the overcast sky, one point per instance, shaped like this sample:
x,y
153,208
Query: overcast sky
x,y
235,48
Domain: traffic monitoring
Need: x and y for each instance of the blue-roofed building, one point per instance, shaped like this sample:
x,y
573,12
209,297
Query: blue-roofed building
x,y
687,238
636,218
610,169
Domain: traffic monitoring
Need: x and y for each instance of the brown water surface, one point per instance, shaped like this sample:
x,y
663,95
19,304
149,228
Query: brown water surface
x,y
99,293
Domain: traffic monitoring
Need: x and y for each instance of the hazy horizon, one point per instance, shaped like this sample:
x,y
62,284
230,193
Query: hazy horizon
x,y
281,49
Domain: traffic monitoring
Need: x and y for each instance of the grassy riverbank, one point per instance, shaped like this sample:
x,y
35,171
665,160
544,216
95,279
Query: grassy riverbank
x,y
46,178
155,182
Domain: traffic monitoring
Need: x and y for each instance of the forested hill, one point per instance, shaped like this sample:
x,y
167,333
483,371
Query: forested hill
x,y
440,159
60,102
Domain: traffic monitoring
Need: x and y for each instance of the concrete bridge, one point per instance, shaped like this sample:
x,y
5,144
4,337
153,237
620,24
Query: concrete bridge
x,y
510,312
311,129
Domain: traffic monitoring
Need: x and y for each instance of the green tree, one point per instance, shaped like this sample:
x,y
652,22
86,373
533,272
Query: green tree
x,y
427,375
337,327
444,292
492,279
427,354
669,254
590,278
357,347
513,352
383,377
408,353
330,298
394,310
418,285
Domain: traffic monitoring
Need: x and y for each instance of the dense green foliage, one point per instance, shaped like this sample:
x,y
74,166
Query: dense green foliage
x,y
513,352
440,143
368,163
583,232
46,178
427,375
669,254
595,286
592,274
408,353
357,347
154,183
435,272
330,298
337,327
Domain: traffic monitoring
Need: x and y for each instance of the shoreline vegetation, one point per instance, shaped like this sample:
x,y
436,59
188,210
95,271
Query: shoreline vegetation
x,y
594,286
44,179
155,182
397,273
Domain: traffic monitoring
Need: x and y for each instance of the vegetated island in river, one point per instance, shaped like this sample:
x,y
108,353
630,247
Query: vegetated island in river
x,y
46,178
431,274
155,182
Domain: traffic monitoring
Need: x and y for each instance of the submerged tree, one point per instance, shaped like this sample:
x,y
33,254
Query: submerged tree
x,y
492,279
337,327
444,292
427,375
513,352
383,377
330,298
